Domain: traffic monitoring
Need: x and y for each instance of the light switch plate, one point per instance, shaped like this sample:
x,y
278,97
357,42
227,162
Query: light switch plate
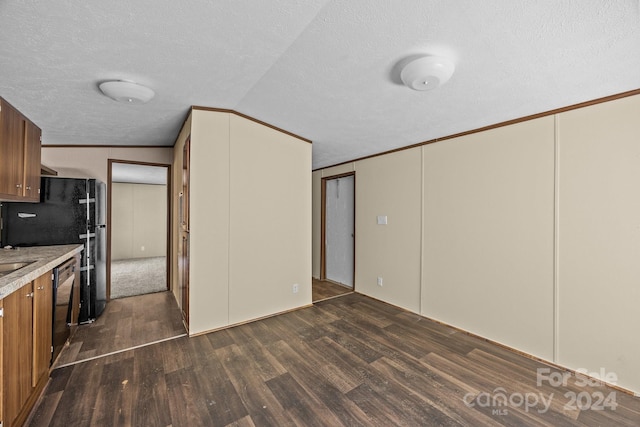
x,y
382,220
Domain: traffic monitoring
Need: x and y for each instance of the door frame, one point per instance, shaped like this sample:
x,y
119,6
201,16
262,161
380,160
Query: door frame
x,y
323,224
169,240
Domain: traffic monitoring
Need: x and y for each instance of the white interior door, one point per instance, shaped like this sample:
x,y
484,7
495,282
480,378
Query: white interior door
x,y
339,230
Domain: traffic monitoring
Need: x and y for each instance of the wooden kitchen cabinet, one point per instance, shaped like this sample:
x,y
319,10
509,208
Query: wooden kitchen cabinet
x,y
11,151
32,151
17,353
42,328
20,155
25,348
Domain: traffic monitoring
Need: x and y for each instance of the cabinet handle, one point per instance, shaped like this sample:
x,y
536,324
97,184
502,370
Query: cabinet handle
x,y
18,185
28,187
30,295
40,288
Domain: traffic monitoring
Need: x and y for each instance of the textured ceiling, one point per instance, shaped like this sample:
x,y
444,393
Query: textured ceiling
x,y
325,70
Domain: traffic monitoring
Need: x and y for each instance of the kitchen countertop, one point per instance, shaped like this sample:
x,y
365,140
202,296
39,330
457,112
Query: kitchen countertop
x,y
45,258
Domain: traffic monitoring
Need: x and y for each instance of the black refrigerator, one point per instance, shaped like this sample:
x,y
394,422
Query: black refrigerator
x,y
70,211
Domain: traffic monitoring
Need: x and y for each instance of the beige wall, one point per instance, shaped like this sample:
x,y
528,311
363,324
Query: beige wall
x,y
270,221
209,251
92,162
488,234
599,239
391,186
250,220
337,170
527,235
138,220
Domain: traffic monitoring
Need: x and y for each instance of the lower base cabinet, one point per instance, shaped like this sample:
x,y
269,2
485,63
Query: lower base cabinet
x,y
26,348
42,327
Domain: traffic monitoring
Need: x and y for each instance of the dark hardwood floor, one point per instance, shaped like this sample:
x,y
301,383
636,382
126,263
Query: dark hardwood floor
x,y
322,290
125,323
347,361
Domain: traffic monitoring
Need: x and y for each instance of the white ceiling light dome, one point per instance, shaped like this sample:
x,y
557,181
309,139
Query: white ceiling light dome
x,y
127,92
427,72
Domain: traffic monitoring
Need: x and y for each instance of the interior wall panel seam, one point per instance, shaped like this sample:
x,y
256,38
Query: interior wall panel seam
x,y
556,237
422,228
228,142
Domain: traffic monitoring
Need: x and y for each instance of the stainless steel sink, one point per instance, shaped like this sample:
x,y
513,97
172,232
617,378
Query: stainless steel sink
x,y
10,267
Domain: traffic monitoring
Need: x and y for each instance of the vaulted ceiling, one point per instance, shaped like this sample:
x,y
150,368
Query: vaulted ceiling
x,y
326,70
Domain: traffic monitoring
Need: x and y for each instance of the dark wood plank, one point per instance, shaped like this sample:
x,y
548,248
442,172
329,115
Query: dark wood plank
x,y
350,361
322,290
114,400
304,407
125,323
187,409
75,407
263,407
305,366
151,398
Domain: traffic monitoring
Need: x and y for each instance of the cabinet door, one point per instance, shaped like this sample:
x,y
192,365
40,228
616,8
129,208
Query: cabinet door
x,y
32,148
17,351
11,151
42,328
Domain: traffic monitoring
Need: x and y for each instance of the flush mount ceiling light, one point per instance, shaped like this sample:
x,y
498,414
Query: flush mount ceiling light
x,y
127,92
427,72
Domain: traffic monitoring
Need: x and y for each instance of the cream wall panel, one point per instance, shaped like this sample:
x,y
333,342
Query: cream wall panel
x,y
488,234
149,238
338,170
599,239
316,221
92,162
121,221
209,221
389,185
138,220
270,222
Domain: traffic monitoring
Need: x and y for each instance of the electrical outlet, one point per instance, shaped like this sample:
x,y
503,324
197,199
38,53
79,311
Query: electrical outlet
x,y
294,288
379,281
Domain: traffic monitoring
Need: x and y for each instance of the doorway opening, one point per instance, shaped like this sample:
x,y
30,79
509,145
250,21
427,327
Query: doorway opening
x,y
138,225
337,252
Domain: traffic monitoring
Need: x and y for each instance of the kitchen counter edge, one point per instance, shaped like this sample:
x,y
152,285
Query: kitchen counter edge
x,y
43,258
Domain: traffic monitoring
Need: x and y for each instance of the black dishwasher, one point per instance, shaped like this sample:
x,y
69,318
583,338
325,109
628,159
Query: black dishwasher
x,y
63,278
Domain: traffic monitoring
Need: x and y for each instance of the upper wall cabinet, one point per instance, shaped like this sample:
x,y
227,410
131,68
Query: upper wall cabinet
x,y
20,143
